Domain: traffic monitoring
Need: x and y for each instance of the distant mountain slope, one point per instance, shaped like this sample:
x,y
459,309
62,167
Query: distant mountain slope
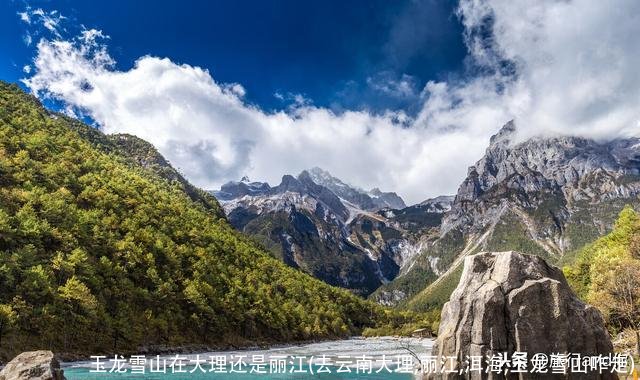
x,y
366,200
337,233
304,224
103,248
545,196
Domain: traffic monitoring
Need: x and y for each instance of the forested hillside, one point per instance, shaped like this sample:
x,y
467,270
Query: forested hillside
x,y
606,274
100,252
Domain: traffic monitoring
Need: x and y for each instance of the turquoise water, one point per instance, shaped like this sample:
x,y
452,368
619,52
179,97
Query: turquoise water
x,y
84,374
350,350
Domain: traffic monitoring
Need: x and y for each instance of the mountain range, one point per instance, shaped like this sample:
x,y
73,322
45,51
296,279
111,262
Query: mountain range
x,y
547,196
105,246
343,235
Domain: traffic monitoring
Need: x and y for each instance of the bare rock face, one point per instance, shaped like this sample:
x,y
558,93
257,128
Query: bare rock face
x,y
566,169
509,302
33,365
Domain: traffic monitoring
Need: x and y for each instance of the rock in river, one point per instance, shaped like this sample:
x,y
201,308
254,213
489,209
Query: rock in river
x,y
33,365
510,302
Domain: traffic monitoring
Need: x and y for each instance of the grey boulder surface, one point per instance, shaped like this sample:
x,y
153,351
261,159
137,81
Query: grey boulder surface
x,y
510,302
33,365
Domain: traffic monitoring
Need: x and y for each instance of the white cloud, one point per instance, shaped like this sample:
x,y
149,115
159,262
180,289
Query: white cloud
x,y
384,82
91,36
293,100
48,19
576,62
236,89
25,17
27,39
206,129
575,71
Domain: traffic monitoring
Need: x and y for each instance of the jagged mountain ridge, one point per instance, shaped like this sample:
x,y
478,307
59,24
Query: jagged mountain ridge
x,y
545,196
576,169
366,200
343,235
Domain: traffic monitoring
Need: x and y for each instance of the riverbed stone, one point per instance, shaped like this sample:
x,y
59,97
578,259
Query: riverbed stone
x,y
33,365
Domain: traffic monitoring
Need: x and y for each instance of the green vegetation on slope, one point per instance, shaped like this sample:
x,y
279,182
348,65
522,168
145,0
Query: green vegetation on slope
x,y
140,153
590,221
606,274
294,238
434,296
594,259
99,254
510,234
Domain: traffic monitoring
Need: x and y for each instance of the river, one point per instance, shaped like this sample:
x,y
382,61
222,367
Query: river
x,y
356,358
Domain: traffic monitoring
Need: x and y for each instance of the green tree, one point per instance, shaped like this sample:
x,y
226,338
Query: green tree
x,y
7,320
616,292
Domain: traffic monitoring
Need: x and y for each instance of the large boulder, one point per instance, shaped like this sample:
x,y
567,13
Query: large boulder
x,y
33,365
509,302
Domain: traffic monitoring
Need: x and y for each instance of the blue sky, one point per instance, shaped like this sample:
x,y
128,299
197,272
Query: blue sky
x,y
399,95
327,51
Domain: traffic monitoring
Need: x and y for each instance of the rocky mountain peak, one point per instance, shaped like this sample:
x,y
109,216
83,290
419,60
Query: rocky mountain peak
x,y
232,190
375,192
562,160
439,204
548,195
328,228
386,200
504,135
306,178
321,176
290,183
366,200
540,183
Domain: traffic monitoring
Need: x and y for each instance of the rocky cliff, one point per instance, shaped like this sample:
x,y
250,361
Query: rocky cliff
x,y
546,196
559,174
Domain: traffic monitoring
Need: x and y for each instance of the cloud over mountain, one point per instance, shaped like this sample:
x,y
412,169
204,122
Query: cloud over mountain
x,y
574,63
567,67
